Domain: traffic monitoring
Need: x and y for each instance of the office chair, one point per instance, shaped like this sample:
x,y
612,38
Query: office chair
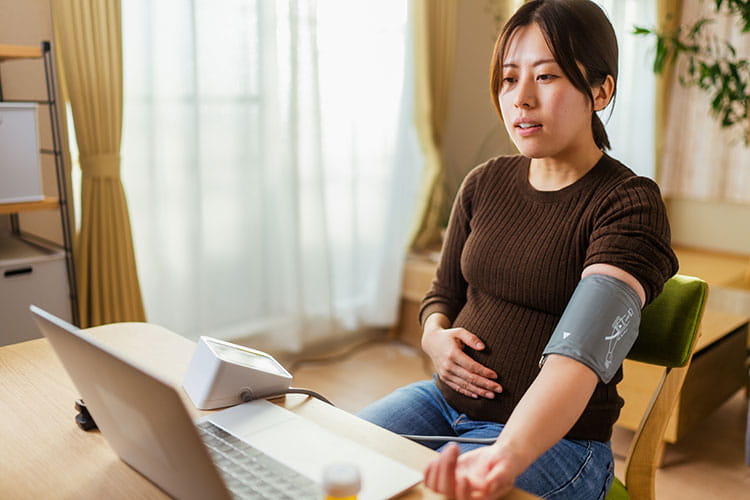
x,y
668,331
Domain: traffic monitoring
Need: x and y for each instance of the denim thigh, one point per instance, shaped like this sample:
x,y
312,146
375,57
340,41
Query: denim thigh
x,y
572,469
417,408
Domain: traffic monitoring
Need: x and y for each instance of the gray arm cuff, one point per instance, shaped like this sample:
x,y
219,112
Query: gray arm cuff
x,y
599,325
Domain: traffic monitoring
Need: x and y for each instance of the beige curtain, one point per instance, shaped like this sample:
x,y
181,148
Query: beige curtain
x,y
699,159
88,33
668,13
434,47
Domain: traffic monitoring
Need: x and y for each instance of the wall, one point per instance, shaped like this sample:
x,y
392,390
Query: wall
x,y
473,131
718,226
29,22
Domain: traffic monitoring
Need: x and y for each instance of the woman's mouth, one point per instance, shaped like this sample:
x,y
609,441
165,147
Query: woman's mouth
x,y
528,128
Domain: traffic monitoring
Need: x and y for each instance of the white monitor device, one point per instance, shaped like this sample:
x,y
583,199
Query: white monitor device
x,y
221,372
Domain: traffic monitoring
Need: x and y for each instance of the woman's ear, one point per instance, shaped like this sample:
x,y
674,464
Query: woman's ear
x,y
603,93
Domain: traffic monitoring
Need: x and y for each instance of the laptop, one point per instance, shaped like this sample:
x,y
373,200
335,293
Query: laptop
x,y
252,450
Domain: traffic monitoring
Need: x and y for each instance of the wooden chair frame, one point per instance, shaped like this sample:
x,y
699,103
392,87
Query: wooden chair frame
x,y
647,447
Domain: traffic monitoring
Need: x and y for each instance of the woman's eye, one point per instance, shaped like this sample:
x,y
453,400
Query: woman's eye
x,y
508,80
546,77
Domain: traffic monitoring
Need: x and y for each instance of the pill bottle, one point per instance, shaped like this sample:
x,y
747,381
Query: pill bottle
x,y
341,481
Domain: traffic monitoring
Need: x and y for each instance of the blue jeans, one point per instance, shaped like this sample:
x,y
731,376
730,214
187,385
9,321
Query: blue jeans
x,y
572,469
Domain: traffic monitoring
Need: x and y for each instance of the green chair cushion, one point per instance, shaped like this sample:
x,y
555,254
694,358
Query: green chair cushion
x,y
669,325
617,491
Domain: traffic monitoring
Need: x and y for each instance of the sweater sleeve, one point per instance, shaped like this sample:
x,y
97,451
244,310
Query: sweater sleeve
x,y
448,292
631,231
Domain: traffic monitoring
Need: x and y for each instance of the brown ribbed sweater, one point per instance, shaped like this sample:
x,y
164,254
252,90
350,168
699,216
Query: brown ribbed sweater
x,y
513,256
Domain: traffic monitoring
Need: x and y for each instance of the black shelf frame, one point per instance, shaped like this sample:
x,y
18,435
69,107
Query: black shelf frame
x,y
60,175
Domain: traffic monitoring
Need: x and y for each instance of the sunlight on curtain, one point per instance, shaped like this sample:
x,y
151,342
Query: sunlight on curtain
x,y
631,124
701,160
271,163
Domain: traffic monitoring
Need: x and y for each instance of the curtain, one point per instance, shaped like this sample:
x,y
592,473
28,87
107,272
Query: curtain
x,y
700,160
629,119
434,46
90,51
668,14
272,164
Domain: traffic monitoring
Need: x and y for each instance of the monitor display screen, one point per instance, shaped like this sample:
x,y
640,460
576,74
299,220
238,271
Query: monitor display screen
x,y
246,358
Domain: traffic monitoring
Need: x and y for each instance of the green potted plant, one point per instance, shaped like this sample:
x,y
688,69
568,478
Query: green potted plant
x,y
711,64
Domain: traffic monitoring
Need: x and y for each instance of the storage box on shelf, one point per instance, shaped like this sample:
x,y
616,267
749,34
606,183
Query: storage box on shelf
x,y
20,169
32,270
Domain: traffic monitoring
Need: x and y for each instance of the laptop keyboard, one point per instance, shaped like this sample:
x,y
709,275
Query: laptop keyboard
x,y
250,473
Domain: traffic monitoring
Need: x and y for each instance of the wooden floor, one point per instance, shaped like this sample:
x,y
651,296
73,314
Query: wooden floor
x,y
709,464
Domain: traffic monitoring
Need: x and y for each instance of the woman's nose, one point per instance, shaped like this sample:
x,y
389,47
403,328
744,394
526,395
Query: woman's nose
x,y
525,97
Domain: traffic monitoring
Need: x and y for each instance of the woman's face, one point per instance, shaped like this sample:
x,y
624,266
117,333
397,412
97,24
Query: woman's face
x,y
545,115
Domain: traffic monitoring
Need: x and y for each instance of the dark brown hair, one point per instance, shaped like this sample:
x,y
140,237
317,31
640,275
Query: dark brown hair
x,y
576,31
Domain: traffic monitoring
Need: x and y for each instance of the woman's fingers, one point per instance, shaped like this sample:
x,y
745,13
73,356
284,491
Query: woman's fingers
x,y
467,363
487,482
446,476
475,476
468,338
468,381
463,487
465,387
475,378
440,472
482,373
430,474
458,369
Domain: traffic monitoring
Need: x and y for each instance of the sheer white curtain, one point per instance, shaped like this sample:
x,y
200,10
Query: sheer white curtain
x,y
271,163
700,159
631,124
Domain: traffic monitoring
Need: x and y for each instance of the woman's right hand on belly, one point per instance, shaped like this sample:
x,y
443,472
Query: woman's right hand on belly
x,y
445,346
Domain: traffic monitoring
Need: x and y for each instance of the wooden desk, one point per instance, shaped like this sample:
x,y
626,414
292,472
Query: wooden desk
x,y
45,454
719,269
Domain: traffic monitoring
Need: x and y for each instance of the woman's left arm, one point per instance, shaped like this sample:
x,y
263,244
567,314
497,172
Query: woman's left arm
x,y
547,411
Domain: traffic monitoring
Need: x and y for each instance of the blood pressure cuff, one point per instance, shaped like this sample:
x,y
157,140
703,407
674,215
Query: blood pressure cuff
x,y
599,325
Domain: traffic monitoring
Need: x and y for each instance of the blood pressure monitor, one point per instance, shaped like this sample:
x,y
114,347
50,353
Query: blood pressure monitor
x,y
221,373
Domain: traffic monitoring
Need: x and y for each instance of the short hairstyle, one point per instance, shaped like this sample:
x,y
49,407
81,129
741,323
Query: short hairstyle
x,y
576,31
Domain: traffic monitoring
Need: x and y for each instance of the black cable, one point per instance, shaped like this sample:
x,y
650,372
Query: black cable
x,y
455,439
247,395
